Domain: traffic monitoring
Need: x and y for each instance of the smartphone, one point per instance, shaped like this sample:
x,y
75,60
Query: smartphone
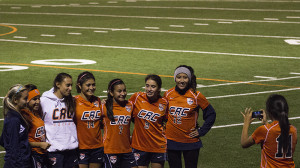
x,y
257,114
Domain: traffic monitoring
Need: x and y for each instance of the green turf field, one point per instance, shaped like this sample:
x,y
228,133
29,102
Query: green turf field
x,y
241,51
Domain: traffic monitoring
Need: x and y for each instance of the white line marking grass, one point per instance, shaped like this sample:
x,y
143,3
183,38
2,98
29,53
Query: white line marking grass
x,y
151,17
292,42
225,22
20,37
48,35
99,31
155,28
151,49
176,25
153,31
266,77
240,124
201,24
294,73
74,33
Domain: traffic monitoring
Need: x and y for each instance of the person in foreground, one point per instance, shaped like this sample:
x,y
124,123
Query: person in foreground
x,y
14,136
277,139
37,133
58,110
148,138
117,115
182,131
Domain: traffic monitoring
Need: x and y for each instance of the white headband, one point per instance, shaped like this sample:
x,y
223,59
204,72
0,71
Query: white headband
x,y
183,70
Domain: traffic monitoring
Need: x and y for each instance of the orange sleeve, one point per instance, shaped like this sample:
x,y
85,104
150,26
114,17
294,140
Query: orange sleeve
x,y
259,134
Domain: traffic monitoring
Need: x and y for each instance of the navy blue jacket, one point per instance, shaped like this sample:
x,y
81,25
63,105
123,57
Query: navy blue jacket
x,y
14,139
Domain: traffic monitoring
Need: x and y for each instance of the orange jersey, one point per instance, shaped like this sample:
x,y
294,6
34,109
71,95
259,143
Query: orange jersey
x,y
183,114
148,134
271,153
37,131
88,123
116,136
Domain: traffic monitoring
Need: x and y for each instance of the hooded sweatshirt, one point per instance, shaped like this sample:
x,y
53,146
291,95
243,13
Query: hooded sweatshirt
x,y
59,125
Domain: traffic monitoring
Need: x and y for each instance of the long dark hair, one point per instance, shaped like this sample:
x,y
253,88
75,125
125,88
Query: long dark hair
x,y
70,103
278,109
83,77
110,101
193,83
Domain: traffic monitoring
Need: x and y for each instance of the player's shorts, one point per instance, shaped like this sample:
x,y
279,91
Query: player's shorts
x,y
38,160
65,159
123,160
144,158
87,156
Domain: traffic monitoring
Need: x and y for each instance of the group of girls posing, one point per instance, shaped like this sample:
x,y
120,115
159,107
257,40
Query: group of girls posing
x,y
164,127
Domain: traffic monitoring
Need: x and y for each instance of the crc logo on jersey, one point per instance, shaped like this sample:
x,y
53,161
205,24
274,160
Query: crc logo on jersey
x,y
61,115
40,132
137,156
113,159
178,111
96,103
148,115
161,107
121,120
91,115
128,108
189,101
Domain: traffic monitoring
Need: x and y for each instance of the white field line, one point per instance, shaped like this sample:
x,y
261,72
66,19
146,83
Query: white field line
x,y
153,31
255,81
254,93
158,7
240,124
150,49
265,77
149,17
295,73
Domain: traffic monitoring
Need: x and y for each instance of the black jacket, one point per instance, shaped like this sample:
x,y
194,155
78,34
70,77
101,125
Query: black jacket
x,y
14,139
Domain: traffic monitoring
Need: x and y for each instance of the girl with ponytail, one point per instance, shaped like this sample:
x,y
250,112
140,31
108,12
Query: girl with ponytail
x,y
278,139
14,136
117,115
182,130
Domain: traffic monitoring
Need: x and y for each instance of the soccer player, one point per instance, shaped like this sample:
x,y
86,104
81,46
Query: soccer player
x,y
117,114
14,136
148,139
278,139
88,122
182,131
37,135
58,108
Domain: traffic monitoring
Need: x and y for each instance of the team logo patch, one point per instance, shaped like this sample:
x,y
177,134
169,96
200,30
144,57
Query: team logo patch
x,y
128,108
96,103
136,156
53,161
113,159
190,101
82,156
161,107
22,128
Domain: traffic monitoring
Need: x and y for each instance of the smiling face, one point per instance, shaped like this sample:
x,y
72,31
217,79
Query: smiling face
x,y
64,88
88,88
119,93
182,81
22,101
152,89
34,103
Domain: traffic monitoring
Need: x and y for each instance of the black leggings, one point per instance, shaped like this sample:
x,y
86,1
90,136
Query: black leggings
x,y
190,158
